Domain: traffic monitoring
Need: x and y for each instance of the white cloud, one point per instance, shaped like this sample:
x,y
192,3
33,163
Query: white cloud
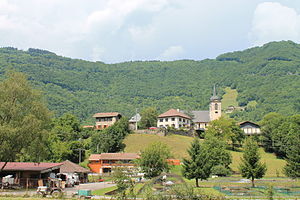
x,y
274,22
172,52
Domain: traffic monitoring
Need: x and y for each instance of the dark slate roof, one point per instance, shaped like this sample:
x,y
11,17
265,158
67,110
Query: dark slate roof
x,y
201,116
135,118
248,124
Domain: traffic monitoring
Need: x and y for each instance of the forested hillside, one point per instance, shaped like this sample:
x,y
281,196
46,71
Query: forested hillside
x,y
267,75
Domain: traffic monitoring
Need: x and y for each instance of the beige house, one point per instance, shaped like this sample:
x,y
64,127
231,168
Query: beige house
x,y
104,120
250,128
173,118
200,118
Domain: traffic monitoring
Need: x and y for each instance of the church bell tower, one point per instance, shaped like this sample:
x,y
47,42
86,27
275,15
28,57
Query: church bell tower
x,y
214,106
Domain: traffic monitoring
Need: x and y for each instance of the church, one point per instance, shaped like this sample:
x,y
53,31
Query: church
x,y
200,119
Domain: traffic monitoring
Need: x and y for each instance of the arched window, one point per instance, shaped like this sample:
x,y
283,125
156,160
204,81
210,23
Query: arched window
x,y
216,106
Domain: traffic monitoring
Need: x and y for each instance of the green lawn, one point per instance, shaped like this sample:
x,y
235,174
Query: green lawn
x,y
177,143
229,98
101,192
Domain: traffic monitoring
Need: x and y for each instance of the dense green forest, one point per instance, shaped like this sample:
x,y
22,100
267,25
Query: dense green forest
x,y
267,75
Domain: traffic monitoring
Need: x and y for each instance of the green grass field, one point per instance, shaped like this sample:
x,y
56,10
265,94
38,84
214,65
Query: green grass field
x,y
179,145
229,98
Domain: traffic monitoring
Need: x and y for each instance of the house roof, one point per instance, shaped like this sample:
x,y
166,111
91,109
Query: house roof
x,y
70,167
88,126
135,118
174,113
247,122
201,116
114,156
30,166
109,114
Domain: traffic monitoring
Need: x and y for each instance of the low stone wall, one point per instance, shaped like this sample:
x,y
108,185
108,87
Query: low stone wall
x,y
151,131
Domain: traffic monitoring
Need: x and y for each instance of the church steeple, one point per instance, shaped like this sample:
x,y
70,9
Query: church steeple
x,y
215,105
214,97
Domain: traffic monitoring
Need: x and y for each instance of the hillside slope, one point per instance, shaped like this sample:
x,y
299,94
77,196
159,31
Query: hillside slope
x,y
268,75
179,144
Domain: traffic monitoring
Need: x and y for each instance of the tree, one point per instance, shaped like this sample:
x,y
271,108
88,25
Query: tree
x,y
148,117
24,120
216,148
226,129
153,159
66,139
292,168
251,167
199,165
121,177
111,138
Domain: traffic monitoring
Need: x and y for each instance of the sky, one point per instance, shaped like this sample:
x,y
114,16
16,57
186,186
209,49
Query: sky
x,y
115,31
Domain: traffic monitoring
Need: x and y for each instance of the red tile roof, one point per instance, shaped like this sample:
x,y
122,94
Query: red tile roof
x,y
114,156
110,114
29,166
174,113
70,167
87,126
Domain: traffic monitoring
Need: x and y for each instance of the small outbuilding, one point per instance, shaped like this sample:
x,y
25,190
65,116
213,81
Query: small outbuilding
x,y
72,169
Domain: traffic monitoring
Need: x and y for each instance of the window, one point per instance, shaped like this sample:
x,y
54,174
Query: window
x,y
183,120
173,125
166,119
216,106
179,119
161,120
173,118
179,125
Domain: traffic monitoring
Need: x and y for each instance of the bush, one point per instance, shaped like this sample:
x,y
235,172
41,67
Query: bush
x,y
221,170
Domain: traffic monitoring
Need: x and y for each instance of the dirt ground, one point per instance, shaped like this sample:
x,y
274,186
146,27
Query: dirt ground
x,y
68,191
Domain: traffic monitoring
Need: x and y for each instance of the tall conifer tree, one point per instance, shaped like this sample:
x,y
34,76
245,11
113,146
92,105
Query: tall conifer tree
x,y
199,165
251,167
292,168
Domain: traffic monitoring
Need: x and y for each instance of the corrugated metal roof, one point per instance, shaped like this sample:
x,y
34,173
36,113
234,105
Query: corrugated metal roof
x,y
28,166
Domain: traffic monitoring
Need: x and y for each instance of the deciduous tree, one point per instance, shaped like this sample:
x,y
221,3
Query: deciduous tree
x,y
24,120
153,159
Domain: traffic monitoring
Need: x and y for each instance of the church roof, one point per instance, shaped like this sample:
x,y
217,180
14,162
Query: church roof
x,y
201,116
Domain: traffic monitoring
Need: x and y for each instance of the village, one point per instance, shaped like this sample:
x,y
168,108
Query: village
x,y
55,179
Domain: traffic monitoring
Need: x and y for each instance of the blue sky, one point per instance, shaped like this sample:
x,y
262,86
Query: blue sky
x,y
123,30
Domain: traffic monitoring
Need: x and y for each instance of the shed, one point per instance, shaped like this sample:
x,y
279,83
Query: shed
x,y
69,167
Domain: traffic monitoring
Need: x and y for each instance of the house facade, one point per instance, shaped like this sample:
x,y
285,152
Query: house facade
x,y
199,118
250,128
173,118
105,162
104,120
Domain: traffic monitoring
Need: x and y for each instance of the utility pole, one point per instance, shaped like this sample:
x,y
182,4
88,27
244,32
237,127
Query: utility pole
x,y
80,150
136,121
